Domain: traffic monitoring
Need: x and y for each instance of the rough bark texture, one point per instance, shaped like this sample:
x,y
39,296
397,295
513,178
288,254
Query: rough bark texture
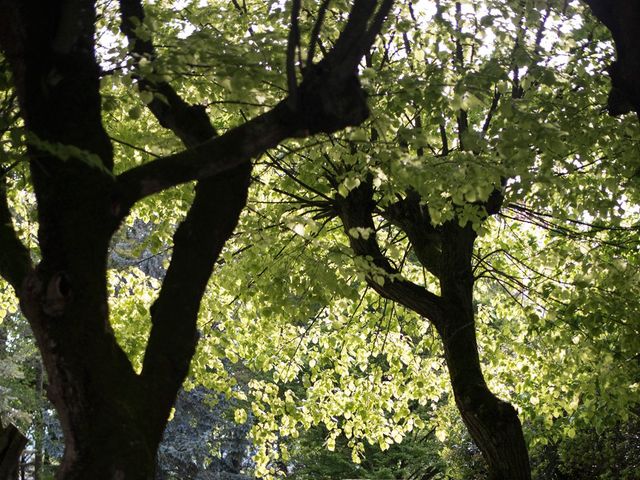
x,y
622,18
446,251
12,442
492,423
112,418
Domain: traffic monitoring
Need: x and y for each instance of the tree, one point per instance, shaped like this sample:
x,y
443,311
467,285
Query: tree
x,y
413,239
202,440
113,417
475,139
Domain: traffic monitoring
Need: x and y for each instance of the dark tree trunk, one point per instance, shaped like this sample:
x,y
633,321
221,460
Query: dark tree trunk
x,y
112,417
622,18
90,380
493,424
12,442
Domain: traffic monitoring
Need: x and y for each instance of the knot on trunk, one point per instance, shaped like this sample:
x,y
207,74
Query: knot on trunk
x,y
57,295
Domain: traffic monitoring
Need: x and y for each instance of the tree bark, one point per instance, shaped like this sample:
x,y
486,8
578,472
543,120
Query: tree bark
x,y
113,418
622,17
12,442
492,423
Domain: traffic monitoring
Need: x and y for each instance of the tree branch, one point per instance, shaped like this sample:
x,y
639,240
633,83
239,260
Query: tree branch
x,y
330,98
315,32
15,261
355,213
293,44
198,242
199,239
222,166
189,122
363,24
492,109
414,220
212,157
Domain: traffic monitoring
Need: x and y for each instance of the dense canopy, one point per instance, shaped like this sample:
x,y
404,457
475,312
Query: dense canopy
x,y
371,228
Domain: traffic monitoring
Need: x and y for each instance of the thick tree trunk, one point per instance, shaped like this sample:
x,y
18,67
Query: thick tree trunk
x,y
100,401
622,17
12,442
109,452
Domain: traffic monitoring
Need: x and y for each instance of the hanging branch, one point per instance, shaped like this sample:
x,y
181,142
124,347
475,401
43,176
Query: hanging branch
x,y
355,212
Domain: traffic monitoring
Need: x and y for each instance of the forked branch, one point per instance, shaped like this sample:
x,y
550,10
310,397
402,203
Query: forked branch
x,y
356,215
329,98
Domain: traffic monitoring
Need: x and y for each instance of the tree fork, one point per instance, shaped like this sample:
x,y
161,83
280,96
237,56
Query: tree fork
x,y
492,423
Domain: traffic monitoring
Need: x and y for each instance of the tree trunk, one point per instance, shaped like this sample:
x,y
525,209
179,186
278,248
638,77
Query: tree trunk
x,y
492,423
109,454
621,17
12,442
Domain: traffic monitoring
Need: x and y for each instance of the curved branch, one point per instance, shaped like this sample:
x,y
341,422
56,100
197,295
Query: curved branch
x,y
355,213
198,242
326,101
212,157
363,25
329,99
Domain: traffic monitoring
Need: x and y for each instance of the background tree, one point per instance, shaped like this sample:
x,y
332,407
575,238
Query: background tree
x,y
202,441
